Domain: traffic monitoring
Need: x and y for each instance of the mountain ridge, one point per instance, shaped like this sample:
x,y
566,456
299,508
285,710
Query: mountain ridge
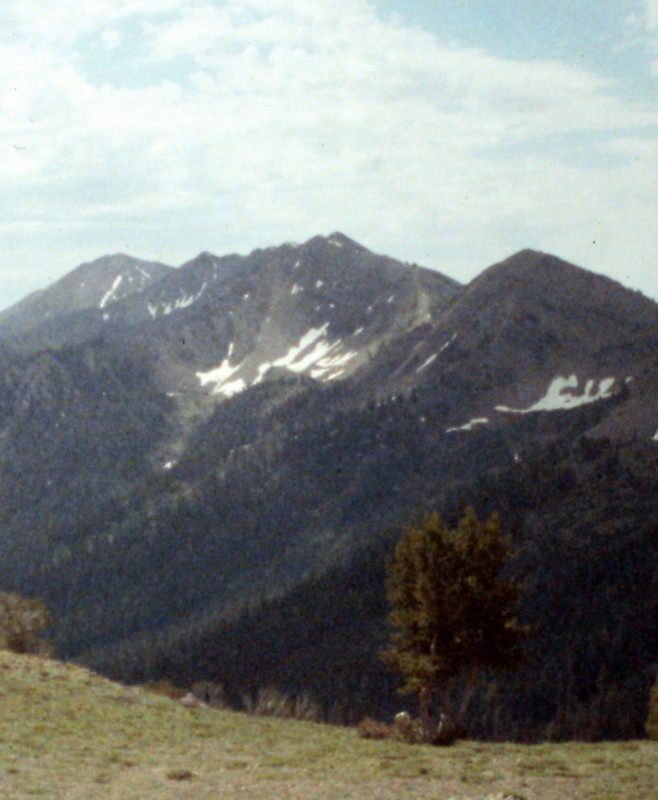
x,y
243,428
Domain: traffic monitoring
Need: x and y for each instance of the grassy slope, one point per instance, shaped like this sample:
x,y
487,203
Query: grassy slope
x,y
68,734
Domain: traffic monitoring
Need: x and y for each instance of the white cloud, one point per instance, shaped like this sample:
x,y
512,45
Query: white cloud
x,y
273,119
652,14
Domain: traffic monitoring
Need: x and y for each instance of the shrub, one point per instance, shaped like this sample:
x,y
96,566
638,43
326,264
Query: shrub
x,y
270,702
165,688
370,728
212,694
403,729
22,623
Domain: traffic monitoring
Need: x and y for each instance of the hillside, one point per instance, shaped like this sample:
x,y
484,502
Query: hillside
x,y
66,732
216,465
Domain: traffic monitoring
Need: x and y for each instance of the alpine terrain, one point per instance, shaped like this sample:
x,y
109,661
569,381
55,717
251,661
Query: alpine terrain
x,y
203,470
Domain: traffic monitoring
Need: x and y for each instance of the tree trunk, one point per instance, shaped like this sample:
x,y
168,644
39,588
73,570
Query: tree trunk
x,y
469,689
428,724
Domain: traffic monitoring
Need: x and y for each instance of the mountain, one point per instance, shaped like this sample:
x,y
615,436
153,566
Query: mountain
x,y
528,331
204,477
96,285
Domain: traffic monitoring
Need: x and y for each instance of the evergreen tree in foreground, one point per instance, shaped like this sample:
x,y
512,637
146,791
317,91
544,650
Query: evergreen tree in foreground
x,y
452,614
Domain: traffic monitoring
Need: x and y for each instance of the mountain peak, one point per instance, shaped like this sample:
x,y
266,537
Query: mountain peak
x,y
336,239
92,285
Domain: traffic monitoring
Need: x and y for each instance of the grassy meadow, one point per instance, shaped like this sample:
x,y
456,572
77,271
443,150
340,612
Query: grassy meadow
x,y
68,734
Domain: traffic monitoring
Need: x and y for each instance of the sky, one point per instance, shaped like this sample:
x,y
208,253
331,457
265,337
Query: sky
x,y
449,133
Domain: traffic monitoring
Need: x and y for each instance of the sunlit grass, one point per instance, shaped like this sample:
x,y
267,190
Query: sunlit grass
x,y
67,734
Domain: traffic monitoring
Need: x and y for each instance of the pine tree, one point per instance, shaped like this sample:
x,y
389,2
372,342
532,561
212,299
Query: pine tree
x,y
452,613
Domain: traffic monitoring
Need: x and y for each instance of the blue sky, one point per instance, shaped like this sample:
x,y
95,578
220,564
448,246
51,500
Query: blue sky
x,y
447,133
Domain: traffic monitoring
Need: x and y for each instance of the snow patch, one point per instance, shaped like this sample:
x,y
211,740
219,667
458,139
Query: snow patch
x,y
218,375
181,302
313,354
426,364
143,271
109,296
563,394
448,343
469,425
296,289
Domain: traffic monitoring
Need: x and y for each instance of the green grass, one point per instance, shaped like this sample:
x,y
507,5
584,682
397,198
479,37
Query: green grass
x,y
67,734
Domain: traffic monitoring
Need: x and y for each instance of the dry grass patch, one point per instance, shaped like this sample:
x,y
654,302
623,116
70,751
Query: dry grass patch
x,y
67,734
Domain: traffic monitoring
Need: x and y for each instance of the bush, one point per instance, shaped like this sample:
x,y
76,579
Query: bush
x,y
212,694
22,624
403,729
165,688
370,728
270,702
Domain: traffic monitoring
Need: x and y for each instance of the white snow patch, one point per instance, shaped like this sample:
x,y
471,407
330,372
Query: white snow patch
x,y
563,394
326,366
313,353
469,425
181,302
319,284
448,343
299,357
218,375
231,388
143,271
358,331
296,289
109,296
391,299
426,364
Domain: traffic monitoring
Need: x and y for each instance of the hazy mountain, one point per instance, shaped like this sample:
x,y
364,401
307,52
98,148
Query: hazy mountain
x,y
185,466
95,285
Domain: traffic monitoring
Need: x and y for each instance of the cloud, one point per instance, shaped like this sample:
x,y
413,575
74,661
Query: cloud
x,y
644,23
199,125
